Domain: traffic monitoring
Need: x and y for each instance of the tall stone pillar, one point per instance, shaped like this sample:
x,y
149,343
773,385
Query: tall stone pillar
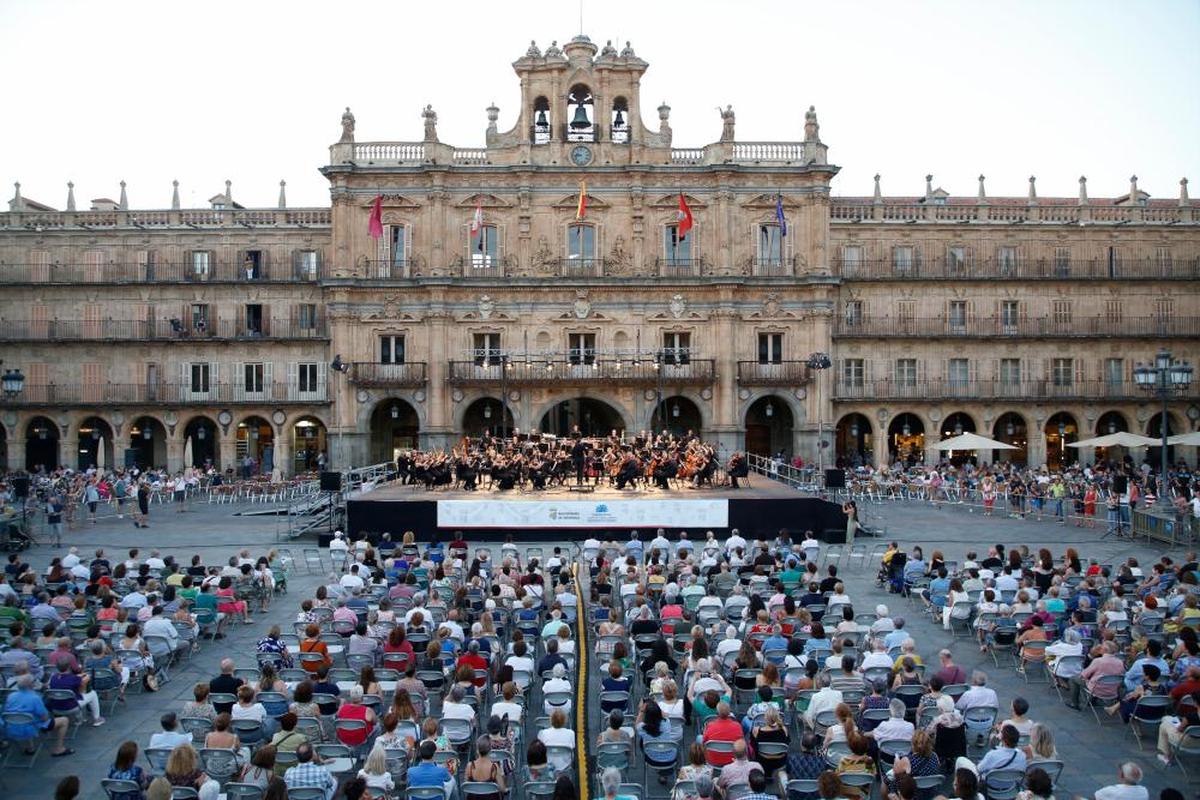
x,y
284,461
16,453
879,440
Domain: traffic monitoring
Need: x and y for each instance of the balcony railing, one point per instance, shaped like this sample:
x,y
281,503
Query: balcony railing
x,y
581,267
1040,269
909,211
160,330
945,389
151,219
65,394
1033,327
771,267
551,372
410,375
117,273
784,373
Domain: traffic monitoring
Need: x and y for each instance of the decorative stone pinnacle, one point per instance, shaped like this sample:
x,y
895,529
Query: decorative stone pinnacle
x,y
175,196
70,195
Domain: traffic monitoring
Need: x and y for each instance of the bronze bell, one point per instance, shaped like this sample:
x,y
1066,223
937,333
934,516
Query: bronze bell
x,y
619,120
542,122
581,118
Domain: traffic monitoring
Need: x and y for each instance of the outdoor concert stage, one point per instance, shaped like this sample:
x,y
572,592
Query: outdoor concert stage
x,y
560,514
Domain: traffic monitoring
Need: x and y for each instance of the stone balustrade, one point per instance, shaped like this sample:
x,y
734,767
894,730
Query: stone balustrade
x,y
910,211
166,219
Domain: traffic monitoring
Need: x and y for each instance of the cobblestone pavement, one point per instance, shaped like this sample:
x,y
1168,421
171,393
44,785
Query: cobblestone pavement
x,y
1091,753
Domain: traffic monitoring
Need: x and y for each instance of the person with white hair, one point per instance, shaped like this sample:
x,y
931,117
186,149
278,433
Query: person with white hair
x,y
455,705
1070,645
683,548
1128,786
731,643
661,544
558,683
610,782
735,542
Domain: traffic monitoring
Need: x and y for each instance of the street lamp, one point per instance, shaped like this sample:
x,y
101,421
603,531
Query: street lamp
x,y
1164,376
819,362
339,367
13,382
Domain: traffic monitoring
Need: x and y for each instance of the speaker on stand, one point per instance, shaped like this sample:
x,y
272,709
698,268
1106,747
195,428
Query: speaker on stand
x,y
331,482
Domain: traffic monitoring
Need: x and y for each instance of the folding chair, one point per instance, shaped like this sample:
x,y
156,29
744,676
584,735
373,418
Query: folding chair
x,y
1003,784
1139,724
20,718
116,789
1092,698
1051,767
243,791
157,757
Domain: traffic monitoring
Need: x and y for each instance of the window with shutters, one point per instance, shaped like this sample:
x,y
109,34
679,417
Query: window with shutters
x,y
39,266
399,250
1010,372
958,315
307,318
1062,372
853,372
958,372
254,265
200,320
852,259
1061,310
1010,315
676,250
1062,261
306,378
201,265
956,260
253,320
581,244
252,380
37,383
1112,311
677,347
200,378
903,260
1114,371
307,265
484,244
906,311
1006,260
853,313
391,349
93,383
91,321
906,372
770,245
1164,308
1162,260
581,348
770,348
486,348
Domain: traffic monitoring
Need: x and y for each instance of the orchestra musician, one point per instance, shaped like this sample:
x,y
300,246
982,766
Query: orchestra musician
x,y
738,467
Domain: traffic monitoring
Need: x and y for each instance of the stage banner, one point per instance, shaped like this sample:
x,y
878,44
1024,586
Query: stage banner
x,y
583,514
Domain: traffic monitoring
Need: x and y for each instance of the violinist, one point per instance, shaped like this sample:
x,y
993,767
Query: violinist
x,y
738,467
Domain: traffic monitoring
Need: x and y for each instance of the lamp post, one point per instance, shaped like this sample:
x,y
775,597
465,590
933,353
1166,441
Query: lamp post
x,y
13,382
1164,376
657,417
339,367
820,362
505,366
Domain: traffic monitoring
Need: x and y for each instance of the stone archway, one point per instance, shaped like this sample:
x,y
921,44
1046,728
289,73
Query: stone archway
x,y
394,428
41,444
483,416
854,437
593,417
309,439
1011,428
769,426
677,414
147,444
95,444
4,448
1154,431
1060,431
256,438
906,439
205,441
957,424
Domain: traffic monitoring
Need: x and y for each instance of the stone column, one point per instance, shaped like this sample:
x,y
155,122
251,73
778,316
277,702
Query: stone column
x,y
284,461
228,450
16,453
68,449
879,439
174,453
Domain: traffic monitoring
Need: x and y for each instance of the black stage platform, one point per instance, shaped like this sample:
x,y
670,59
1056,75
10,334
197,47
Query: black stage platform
x,y
559,514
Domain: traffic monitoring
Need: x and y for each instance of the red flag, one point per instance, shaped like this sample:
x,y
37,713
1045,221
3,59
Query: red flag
x,y
375,227
685,217
581,208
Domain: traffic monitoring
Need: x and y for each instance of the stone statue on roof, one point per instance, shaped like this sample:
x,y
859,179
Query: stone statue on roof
x,y
430,117
553,51
727,122
533,51
627,51
608,50
812,130
347,127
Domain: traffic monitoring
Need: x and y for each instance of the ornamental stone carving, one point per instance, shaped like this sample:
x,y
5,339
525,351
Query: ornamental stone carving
x,y
619,258
486,307
347,128
677,306
582,306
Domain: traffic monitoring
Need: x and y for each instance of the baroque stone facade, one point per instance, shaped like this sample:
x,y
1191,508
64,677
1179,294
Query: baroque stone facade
x,y
487,302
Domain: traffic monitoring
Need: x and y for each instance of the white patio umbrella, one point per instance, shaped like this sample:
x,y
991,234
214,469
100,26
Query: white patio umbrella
x,y
187,452
100,454
972,441
1192,439
1118,439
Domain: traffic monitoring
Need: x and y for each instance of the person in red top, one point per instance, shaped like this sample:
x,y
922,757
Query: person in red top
x,y
1190,685
397,648
722,728
475,661
354,709
312,644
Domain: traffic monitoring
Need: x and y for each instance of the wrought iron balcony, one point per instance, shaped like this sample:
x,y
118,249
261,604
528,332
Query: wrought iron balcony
x,y
1183,267
1030,327
783,373
1017,391
158,330
135,273
410,375
173,394
608,371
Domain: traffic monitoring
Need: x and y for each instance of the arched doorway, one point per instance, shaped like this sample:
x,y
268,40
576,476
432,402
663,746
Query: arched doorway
x,y
147,444
1060,431
1154,430
906,439
483,416
41,445
206,445
394,429
854,440
1010,428
308,443
678,415
1109,422
95,439
769,427
592,417
957,424
255,438
3,447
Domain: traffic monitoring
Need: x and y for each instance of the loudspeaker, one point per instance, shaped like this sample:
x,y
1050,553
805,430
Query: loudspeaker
x,y
20,488
835,479
1120,484
331,481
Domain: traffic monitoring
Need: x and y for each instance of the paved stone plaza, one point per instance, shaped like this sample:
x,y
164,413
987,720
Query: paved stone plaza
x,y
1091,754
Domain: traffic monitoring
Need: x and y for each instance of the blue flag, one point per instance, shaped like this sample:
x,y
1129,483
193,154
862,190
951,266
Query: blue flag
x,y
779,215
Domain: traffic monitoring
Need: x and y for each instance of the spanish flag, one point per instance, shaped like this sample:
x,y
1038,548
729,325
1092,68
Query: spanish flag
x,y
581,209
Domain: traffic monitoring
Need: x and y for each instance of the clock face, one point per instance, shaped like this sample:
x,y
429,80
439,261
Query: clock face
x,y
581,155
